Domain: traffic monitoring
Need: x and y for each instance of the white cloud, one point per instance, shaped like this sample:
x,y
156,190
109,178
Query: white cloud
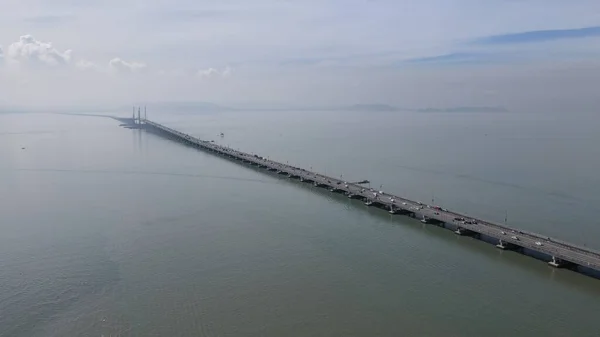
x,y
123,66
28,49
210,73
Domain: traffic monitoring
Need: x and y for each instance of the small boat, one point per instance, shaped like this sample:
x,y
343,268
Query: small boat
x,y
222,134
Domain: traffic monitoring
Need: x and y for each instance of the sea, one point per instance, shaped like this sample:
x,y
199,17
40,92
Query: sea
x,y
109,231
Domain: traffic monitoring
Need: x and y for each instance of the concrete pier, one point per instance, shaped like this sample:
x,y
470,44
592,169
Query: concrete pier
x,y
560,253
465,232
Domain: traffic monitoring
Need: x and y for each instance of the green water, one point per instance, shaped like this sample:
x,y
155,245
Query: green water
x,y
113,232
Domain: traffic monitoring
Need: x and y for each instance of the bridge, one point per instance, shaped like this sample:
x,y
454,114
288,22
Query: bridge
x,y
556,252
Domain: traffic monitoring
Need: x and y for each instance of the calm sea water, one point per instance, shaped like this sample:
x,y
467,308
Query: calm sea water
x,y
106,231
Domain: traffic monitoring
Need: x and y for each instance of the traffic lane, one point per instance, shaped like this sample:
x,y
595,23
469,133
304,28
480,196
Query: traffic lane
x,y
541,238
531,242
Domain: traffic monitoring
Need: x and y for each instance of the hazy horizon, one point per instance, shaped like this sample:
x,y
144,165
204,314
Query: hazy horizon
x,y
191,106
523,55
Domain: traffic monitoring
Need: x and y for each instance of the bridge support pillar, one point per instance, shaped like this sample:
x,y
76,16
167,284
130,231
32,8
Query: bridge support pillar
x,y
462,231
392,209
506,245
556,263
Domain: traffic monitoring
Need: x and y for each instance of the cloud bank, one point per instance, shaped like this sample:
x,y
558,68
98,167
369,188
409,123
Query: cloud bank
x,y
28,49
311,52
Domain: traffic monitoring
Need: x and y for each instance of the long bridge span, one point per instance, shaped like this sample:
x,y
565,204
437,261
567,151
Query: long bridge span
x,y
556,252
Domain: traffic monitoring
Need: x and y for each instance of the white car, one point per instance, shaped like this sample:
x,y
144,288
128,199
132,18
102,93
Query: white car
x,y
403,203
514,238
503,233
538,243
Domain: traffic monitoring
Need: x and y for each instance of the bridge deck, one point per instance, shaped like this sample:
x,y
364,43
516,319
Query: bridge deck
x,y
559,250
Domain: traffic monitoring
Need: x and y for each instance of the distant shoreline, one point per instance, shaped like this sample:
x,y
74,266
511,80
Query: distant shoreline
x,y
466,109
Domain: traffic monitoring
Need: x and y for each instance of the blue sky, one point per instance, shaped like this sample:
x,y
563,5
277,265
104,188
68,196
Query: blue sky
x,y
409,53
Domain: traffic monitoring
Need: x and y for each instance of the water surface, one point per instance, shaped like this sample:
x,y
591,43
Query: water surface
x,y
115,232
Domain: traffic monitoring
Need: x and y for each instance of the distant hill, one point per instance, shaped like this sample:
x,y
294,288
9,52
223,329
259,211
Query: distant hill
x,y
466,109
386,107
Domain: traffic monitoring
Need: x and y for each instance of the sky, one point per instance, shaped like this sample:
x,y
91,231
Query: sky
x,y
520,54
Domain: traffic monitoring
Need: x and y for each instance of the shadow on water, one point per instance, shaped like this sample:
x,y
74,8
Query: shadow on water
x,y
563,276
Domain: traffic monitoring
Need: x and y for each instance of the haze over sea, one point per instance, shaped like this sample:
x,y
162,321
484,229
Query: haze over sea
x,y
106,231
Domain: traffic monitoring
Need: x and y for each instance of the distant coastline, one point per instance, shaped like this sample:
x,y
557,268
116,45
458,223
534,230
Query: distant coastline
x,y
466,109
385,107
